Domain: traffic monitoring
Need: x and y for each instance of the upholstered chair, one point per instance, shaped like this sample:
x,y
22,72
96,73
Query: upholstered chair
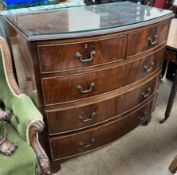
x,y
24,125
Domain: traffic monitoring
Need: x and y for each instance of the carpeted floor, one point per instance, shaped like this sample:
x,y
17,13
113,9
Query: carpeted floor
x,y
145,151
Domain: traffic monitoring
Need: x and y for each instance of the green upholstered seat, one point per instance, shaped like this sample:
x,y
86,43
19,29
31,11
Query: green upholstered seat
x,y
23,161
24,116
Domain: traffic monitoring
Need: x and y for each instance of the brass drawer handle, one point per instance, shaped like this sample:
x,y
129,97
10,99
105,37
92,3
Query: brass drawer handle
x,y
147,93
87,118
151,42
92,85
83,60
148,67
87,145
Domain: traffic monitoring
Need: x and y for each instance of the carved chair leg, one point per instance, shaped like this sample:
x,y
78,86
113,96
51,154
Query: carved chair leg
x,y
40,153
6,147
173,165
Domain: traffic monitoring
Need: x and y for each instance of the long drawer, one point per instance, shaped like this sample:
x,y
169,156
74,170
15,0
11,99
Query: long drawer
x,y
73,119
147,38
80,142
74,87
83,53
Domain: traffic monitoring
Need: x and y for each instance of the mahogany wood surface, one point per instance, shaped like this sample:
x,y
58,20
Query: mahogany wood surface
x,y
69,120
148,38
134,70
92,98
93,138
63,56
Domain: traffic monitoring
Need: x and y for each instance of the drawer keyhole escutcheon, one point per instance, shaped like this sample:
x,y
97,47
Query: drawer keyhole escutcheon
x,y
85,119
147,93
151,41
148,67
79,56
91,87
87,145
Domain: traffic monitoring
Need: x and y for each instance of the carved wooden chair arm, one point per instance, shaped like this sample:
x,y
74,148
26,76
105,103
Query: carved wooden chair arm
x,y
34,142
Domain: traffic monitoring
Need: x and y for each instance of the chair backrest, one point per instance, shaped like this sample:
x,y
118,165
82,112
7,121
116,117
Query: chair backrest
x,y
160,3
163,3
7,79
9,89
23,111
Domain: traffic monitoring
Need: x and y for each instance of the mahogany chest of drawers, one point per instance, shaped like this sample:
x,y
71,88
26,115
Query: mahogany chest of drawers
x,y
96,77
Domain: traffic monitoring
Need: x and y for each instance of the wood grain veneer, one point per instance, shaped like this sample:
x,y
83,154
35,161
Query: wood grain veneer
x,y
148,37
134,70
65,56
85,141
64,121
93,87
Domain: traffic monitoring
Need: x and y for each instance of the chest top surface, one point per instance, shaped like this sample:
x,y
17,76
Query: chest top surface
x,y
78,21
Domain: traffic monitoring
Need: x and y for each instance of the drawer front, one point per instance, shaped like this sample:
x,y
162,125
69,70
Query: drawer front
x,y
83,117
147,38
68,56
75,144
70,88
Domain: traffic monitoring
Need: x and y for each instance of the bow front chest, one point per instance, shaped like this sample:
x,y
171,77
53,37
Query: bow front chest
x,y
93,71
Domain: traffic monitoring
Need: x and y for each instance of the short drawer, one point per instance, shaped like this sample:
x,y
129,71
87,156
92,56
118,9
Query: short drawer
x,y
73,119
147,38
70,88
81,54
80,142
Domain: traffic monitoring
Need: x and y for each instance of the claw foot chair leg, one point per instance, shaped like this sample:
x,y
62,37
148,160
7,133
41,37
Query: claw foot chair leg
x,y
7,148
